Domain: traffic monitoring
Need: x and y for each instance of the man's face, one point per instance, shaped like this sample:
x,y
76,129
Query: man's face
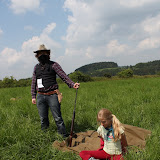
x,y
43,57
42,53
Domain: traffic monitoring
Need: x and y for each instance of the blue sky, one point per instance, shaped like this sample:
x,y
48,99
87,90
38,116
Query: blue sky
x,y
78,32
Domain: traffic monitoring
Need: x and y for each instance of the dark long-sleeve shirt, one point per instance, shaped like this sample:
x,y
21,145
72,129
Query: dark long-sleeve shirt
x,y
59,71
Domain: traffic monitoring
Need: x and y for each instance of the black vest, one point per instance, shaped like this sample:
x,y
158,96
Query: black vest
x,y
46,73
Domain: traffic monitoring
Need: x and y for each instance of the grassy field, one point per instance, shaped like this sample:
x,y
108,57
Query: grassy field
x,y
133,101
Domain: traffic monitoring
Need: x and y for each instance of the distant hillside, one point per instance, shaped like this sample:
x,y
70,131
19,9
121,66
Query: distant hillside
x,y
90,69
149,68
100,69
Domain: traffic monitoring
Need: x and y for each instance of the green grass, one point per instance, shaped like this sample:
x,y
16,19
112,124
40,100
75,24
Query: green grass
x,y
133,101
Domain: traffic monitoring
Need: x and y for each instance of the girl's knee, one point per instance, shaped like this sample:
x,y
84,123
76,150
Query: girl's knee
x,y
83,154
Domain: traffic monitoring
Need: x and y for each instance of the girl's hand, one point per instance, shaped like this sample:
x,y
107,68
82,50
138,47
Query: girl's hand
x,y
124,144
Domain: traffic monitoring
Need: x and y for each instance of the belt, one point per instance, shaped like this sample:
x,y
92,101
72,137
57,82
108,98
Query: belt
x,y
48,93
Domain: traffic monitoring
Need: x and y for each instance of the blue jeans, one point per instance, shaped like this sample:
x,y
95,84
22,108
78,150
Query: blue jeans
x,y
44,102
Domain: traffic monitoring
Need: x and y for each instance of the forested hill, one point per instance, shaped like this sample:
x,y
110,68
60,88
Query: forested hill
x,y
96,66
112,68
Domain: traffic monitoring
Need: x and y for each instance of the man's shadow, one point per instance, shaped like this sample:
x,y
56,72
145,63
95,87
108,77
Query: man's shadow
x,y
82,126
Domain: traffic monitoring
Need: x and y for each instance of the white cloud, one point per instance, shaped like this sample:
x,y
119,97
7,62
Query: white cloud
x,y
149,43
23,61
152,25
89,55
136,3
31,45
110,30
49,28
147,33
113,49
89,52
44,38
85,27
147,28
21,6
90,30
10,56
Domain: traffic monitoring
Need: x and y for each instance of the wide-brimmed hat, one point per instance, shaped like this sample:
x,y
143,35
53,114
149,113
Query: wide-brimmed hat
x,y
42,48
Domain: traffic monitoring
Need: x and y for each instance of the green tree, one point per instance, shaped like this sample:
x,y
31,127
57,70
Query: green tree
x,y
127,73
8,82
78,76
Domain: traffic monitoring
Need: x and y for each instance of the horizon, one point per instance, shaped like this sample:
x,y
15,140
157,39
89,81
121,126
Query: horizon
x,y
83,66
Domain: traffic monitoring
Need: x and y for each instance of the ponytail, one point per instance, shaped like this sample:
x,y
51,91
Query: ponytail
x,y
116,126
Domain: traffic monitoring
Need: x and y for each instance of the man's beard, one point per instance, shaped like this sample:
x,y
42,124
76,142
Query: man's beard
x,y
43,59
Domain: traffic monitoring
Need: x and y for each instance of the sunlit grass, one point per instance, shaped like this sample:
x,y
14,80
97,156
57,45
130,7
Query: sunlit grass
x,y
133,101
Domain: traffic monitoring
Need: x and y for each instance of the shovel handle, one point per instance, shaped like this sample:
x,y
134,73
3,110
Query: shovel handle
x,y
73,118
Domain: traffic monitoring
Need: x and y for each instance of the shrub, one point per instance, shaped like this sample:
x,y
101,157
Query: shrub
x,y
78,76
108,75
8,82
127,73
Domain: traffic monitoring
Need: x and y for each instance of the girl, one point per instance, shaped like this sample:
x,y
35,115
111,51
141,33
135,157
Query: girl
x,y
113,140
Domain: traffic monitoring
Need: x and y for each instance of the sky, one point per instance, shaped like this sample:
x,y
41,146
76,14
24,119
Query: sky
x,y
78,32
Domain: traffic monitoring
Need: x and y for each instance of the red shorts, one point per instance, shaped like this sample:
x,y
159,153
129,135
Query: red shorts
x,y
99,154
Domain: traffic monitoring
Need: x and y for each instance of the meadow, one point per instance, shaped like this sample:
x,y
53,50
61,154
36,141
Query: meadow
x,y
134,102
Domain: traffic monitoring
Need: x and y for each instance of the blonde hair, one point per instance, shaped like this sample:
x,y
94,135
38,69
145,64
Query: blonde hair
x,y
105,114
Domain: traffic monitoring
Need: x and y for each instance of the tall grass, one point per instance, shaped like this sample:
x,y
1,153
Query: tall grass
x,y
133,101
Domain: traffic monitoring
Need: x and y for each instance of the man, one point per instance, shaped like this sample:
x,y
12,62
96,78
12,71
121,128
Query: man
x,y
44,81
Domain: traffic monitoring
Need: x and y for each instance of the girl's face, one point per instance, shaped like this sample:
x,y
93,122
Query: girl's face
x,y
106,123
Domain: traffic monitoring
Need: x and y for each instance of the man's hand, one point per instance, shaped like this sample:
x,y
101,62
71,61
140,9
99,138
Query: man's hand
x,y
34,101
76,85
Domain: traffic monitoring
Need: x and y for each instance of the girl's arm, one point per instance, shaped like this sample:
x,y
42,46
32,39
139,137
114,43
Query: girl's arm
x,y
101,144
99,130
124,143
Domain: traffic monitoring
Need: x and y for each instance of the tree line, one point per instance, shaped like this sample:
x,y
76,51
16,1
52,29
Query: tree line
x,y
111,69
76,76
88,72
8,82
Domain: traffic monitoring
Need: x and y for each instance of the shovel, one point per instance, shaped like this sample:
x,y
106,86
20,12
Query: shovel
x,y
72,125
